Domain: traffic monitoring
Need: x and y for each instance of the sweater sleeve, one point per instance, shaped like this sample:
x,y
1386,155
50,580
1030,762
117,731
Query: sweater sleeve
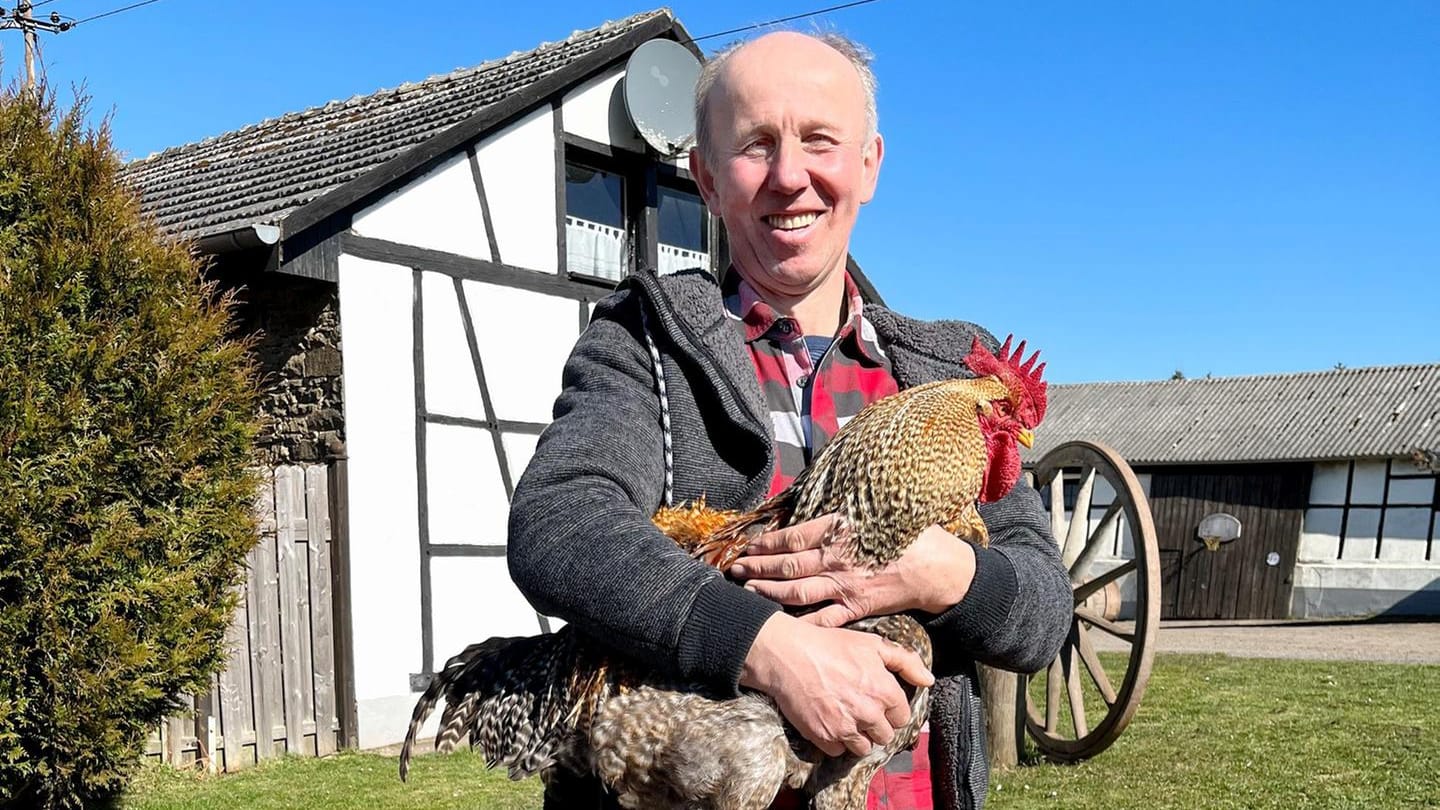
x,y
1018,610
581,544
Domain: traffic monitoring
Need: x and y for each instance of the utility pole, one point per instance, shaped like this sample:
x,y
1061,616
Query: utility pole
x,y
27,24
21,18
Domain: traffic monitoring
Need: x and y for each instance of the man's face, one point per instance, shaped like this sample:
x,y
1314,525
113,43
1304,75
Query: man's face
x,y
789,161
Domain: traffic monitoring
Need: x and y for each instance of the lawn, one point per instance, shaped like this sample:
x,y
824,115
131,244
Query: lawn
x,y
1212,732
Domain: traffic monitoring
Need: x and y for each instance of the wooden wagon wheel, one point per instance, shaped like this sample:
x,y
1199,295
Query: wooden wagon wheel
x,y
1065,689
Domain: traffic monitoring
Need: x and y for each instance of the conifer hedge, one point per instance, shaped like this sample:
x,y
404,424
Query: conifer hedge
x,y
127,417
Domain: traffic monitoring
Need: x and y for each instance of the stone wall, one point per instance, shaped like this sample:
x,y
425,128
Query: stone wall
x,y
296,322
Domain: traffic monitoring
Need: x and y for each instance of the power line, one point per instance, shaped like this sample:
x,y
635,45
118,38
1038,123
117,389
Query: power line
x,y
114,12
791,18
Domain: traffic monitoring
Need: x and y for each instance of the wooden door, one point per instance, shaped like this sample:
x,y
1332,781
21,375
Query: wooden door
x,y
1250,578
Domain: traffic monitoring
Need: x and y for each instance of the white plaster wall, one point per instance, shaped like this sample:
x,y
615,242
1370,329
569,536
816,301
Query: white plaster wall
x,y
467,500
1332,583
518,166
1320,535
451,387
519,448
1327,484
523,384
473,600
1334,589
596,110
375,306
439,210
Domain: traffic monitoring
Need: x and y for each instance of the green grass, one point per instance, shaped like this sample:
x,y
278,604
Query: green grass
x,y
348,781
1221,732
1212,732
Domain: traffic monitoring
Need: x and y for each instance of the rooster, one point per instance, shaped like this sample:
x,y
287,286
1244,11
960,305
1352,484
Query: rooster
x,y
926,455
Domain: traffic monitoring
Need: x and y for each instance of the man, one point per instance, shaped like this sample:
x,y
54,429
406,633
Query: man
x,y
758,373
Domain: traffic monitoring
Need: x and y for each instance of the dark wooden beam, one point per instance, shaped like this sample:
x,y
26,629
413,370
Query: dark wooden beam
x,y
465,267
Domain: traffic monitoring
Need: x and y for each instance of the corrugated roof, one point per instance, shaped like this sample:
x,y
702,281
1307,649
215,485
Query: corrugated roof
x,y
260,174
1384,411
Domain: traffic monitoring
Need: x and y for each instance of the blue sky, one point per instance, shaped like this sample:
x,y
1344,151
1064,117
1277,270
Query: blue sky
x,y
1136,187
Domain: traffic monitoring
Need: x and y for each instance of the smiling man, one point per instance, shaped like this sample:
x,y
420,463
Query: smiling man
x,y
760,371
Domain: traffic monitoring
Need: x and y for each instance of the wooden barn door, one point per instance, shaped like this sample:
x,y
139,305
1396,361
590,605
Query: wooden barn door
x,y
1250,578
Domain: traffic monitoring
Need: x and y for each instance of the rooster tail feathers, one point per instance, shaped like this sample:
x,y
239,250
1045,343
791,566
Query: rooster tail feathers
x,y
728,542
501,694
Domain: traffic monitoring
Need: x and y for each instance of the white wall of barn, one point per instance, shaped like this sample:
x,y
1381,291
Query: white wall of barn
x,y
465,500
1370,542
383,506
596,110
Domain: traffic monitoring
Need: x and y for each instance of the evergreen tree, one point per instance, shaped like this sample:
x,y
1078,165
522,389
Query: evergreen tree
x,y
127,417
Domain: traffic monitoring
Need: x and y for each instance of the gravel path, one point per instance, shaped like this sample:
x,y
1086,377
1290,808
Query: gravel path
x,y
1391,642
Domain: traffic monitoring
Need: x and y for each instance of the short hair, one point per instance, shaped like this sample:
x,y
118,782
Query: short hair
x,y
855,53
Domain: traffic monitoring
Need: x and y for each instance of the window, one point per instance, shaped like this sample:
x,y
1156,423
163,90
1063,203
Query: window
x,y
684,231
595,232
625,211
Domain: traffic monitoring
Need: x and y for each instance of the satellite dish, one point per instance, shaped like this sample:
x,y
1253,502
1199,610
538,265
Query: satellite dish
x,y
660,94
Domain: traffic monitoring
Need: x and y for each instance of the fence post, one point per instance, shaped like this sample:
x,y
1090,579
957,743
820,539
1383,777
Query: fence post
x,y
345,709
1004,723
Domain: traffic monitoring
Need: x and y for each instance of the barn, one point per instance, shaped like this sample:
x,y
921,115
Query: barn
x,y
1328,477
417,263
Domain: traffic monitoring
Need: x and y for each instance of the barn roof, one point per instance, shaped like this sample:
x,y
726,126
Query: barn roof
x,y
307,165
1377,412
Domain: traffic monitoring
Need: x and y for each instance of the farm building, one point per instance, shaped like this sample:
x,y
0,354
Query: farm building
x,y
393,251
1329,478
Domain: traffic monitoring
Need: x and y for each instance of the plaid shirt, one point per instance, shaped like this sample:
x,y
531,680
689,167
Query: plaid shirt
x,y
808,404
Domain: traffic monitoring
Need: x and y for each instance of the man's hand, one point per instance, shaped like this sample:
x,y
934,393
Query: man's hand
x,y
837,687
805,564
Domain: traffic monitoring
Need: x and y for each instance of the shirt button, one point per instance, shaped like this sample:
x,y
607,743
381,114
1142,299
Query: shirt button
x,y
785,327
804,381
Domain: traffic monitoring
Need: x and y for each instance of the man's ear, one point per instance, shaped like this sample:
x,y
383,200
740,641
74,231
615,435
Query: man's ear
x,y
872,156
704,179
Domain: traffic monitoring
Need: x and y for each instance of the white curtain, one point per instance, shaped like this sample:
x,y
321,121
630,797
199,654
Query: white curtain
x,y
674,259
594,249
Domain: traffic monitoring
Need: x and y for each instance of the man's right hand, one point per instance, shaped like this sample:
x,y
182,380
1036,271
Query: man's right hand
x,y
836,686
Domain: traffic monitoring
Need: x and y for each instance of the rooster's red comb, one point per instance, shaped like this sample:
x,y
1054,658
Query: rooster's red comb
x,y
1008,365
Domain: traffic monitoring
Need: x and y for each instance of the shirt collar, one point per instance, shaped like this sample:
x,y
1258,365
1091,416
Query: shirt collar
x,y
744,304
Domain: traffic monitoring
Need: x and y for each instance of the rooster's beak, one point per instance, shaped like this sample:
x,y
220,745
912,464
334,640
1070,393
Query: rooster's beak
x,y
1026,437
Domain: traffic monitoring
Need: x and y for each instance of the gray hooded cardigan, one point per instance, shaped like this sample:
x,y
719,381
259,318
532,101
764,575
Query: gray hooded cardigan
x,y
582,546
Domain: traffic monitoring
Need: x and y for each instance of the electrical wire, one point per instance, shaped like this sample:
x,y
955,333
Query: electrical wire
x,y
783,19
114,12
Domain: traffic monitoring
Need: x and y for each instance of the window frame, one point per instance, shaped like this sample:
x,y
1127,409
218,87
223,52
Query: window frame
x,y
642,175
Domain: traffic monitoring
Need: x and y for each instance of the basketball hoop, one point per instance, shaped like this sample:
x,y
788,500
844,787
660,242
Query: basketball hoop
x,y
1218,529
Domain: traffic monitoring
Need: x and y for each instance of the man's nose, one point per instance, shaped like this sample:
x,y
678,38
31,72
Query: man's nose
x,y
788,171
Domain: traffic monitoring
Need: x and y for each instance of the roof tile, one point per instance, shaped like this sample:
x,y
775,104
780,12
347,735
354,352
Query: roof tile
x,y
261,173
1377,412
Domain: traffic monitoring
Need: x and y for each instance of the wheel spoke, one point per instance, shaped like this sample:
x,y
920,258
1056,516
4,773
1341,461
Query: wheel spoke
x,y
1086,590
1057,506
1092,664
1105,624
1052,697
1079,518
1077,697
1092,545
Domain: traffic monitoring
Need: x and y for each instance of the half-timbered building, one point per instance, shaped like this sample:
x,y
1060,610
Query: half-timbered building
x,y
417,263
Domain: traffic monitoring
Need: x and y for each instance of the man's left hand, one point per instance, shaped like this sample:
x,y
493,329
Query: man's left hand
x,y
806,564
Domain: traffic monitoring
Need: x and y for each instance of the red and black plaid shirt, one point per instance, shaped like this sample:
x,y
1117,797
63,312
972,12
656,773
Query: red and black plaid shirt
x,y
808,404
